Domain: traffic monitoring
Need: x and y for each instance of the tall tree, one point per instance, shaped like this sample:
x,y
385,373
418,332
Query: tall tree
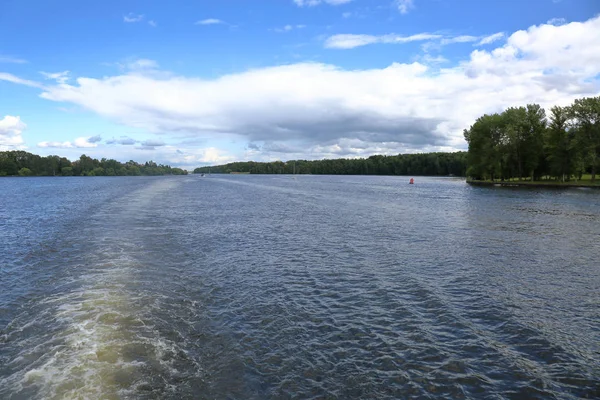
x,y
536,127
559,143
586,119
486,147
516,130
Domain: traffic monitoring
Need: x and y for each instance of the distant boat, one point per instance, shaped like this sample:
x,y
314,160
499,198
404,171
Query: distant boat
x,y
201,175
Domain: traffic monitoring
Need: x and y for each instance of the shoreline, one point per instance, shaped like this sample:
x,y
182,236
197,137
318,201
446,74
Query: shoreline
x,y
536,184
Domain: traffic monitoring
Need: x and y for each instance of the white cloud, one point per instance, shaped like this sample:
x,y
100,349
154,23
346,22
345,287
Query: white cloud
x,y
346,14
214,155
459,39
85,142
404,6
350,41
15,79
137,65
56,145
176,156
123,140
320,108
288,28
131,17
12,60
429,59
188,158
59,77
491,38
557,21
152,23
210,21
11,128
310,3
141,64
80,143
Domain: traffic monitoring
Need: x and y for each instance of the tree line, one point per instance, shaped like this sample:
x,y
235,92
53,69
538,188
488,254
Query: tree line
x,y
22,163
428,164
523,142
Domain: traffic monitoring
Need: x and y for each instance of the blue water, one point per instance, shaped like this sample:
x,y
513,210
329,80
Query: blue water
x,y
296,287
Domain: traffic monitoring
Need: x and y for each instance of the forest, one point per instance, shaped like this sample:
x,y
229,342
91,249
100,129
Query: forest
x,y
429,164
526,143
22,163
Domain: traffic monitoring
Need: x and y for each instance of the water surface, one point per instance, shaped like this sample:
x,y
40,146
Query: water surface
x,y
296,287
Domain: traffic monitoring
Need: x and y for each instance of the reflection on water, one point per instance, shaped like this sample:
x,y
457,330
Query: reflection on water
x,y
271,287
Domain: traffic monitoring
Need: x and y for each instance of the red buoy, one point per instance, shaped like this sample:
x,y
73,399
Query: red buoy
x,y
412,181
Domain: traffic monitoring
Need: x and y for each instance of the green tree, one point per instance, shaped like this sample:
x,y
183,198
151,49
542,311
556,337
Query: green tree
x,y
536,127
66,171
487,141
8,166
25,172
586,120
559,144
517,134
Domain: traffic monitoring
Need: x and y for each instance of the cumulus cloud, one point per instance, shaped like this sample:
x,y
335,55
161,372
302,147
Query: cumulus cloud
x,y
94,139
310,3
85,142
323,109
213,155
80,142
131,17
152,23
123,140
11,128
56,145
350,41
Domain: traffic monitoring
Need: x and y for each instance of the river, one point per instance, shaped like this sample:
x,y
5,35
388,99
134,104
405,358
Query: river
x,y
256,287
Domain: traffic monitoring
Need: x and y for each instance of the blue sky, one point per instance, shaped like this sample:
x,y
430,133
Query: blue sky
x,y
197,82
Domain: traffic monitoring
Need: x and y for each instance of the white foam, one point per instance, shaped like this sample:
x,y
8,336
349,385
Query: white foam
x,y
83,353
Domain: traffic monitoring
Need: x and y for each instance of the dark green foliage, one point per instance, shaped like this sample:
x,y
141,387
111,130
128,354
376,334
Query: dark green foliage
x,y
430,164
27,164
585,115
521,143
25,172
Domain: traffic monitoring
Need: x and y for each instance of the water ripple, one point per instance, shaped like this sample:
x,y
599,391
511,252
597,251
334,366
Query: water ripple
x,y
318,287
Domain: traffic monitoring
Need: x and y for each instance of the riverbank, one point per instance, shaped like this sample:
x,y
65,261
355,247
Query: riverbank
x,y
539,184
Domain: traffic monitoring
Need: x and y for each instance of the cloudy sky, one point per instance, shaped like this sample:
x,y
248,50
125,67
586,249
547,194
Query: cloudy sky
x,y
191,82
